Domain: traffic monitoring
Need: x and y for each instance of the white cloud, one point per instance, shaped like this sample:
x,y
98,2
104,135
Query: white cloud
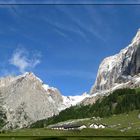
x,y
20,58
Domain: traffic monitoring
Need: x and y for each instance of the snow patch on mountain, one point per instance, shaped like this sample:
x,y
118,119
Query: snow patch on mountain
x,y
69,101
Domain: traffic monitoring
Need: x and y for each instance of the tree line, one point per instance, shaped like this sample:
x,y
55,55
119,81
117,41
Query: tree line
x,y
120,101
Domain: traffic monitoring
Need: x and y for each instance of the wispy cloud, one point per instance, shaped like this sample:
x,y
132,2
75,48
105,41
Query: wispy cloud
x,y
72,73
95,25
12,7
21,59
82,27
63,29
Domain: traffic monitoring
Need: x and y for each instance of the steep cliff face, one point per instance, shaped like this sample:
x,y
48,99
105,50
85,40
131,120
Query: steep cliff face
x,y
26,99
119,70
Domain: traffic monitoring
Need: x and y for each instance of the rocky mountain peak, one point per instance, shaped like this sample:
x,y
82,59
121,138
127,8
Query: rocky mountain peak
x,y
119,69
31,76
136,39
25,100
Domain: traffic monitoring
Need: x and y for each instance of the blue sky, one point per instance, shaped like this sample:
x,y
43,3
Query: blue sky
x,y
70,1
64,44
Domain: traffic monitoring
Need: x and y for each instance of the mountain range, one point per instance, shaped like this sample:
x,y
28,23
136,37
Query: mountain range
x,y
121,68
25,99
118,71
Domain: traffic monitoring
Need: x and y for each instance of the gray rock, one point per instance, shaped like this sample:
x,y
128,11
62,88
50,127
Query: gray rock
x,y
26,100
121,70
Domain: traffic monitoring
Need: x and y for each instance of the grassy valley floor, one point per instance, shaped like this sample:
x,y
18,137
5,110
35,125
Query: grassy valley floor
x,y
85,134
124,126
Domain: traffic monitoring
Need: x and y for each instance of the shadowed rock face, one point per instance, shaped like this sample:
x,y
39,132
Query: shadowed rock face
x,y
133,67
120,68
135,62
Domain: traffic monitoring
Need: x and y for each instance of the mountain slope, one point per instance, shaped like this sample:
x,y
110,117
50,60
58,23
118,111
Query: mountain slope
x,y
26,99
120,70
120,101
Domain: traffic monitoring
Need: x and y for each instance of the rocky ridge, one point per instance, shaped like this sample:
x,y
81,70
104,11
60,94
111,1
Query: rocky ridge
x,y
25,99
121,70
118,71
